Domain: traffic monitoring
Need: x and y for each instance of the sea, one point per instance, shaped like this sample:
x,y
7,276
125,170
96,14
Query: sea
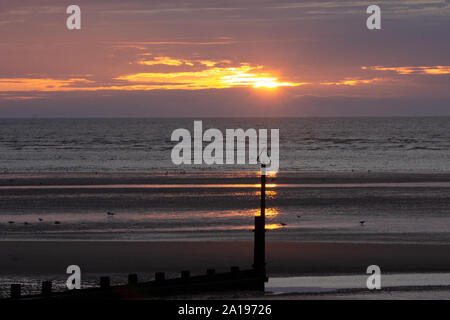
x,y
306,144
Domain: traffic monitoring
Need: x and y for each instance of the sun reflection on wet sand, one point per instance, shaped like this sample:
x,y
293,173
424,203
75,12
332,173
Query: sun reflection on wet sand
x,y
269,174
268,185
270,194
273,226
270,212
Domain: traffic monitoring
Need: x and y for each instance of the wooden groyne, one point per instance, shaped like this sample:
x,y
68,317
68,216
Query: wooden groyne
x,y
235,280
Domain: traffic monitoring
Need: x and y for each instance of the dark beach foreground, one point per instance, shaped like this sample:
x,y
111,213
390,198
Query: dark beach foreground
x,y
283,258
303,270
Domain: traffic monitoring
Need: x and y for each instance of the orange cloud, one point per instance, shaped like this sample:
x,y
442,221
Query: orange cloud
x,y
212,63
353,82
166,61
212,78
179,62
432,70
39,84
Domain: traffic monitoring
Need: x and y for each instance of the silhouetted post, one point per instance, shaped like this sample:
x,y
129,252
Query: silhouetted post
x,y
234,271
185,274
15,291
159,276
46,288
259,253
104,282
132,279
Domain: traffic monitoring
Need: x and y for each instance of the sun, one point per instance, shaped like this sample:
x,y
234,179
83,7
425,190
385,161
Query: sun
x,y
271,83
266,83
243,77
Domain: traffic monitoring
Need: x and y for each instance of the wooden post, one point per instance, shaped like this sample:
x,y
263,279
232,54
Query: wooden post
x,y
104,282
132,279
46,288
263,190
185,274
15,291
159,276
259,263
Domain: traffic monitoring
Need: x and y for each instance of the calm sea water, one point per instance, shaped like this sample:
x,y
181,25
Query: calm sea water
x,y
360,144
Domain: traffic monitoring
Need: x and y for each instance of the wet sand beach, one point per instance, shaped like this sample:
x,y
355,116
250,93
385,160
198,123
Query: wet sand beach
x,y
395,208
190,221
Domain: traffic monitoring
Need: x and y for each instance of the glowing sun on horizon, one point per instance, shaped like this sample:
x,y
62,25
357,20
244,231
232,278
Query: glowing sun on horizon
x,y
270,83
255,80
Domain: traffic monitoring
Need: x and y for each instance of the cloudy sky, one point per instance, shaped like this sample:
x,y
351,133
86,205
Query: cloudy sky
x,y
204,58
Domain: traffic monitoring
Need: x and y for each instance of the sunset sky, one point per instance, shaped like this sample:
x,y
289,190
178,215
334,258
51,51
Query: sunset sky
x,y
207,58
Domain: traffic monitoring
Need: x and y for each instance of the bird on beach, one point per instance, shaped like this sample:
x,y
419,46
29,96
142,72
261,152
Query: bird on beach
x,y
299,216
109,213
362,222
40,219
283,224
25,223
10,222
57,222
